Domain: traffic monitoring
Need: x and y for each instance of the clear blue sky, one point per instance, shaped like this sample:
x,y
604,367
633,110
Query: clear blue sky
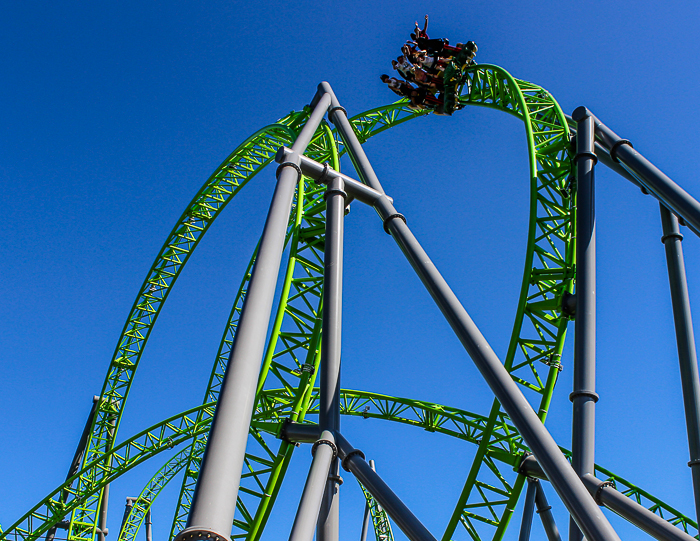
x,y
113,115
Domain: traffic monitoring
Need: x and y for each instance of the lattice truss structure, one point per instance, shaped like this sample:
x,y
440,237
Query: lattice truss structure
x,y
289,399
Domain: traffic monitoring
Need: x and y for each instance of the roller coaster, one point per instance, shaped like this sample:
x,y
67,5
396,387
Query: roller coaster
x,y
270,391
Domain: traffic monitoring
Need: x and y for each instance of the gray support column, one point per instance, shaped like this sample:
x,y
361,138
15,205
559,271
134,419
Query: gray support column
x,y
214,500
545,512
77,458
329,387
605,494
102,530
127,509
367,516
354,462
528,510
324,452
149,526
653,179
685,340
584,396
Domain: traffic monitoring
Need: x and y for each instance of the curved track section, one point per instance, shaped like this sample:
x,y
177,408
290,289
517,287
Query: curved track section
x,y
533,359
273,409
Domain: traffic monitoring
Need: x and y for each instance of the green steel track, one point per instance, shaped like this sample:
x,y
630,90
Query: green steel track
x,y
286,388
273,408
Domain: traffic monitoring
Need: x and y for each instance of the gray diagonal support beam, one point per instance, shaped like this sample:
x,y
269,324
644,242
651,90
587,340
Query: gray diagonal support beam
x,y
685,340
354,462
339,117
544,510
214,500
368,515
528,510
324,452
573,494
605,494
77,459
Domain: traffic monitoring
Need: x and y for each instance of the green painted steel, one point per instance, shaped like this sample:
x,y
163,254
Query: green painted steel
x,y
273,409
291,360
380,520
133,521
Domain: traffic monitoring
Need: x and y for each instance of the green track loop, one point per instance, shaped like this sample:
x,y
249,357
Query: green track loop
x,y
273,408
291,361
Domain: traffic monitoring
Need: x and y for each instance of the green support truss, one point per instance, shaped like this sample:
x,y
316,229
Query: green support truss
x,y
272,411
286,387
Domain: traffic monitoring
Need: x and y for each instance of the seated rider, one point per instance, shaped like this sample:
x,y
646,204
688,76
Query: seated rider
x,y
433,64
438,46
397,86
424,79
404,67
432,46
420,99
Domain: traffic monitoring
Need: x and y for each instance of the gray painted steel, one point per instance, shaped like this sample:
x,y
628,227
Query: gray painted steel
x,y
558,470
584,396
324,174
603,156
102,530
545,512
528,510
654,180
325,453
354,462
331,342
127,509
605,494
365,523
339,117
214,501
685,340
637,514
149,526
299,433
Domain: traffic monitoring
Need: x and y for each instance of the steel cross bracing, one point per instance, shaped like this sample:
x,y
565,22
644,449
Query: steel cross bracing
x,y
272,411
137,514
491,491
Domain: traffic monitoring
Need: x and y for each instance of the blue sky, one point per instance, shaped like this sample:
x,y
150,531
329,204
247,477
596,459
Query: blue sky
x,y
114,115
